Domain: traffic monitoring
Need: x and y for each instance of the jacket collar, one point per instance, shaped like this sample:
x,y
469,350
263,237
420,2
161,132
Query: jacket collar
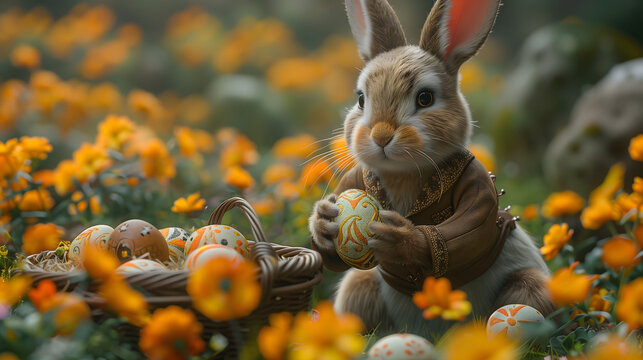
x,y
439,183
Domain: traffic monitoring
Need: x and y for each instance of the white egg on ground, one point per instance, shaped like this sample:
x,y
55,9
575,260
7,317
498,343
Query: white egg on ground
x,y
217,234
206,253
402,346
96,235
138,266
515,321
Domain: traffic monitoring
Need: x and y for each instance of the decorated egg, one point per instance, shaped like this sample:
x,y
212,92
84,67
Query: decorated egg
x,y
96,235
217,234
357,209
137,266
176,239
208,252
401,346
514,321
135,238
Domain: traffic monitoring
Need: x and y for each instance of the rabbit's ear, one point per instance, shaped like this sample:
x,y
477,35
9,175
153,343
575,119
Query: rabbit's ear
x,y
375,27
456,29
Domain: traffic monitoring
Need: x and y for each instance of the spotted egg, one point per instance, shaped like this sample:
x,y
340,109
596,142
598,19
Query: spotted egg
x,y
138,266
402,346
515,321
208,252
96,235
217,234
176,239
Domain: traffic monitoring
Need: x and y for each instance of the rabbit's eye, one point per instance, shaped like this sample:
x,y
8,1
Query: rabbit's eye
x,y
425,98
360,100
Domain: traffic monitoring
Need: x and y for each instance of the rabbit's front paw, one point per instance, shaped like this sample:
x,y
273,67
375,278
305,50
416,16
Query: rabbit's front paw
x,y
322,225
396,238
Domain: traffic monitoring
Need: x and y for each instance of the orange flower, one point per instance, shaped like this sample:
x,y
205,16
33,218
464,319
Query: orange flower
x,y
637,186
596,215
313,173
225,289
41,237
336,336
567,287
636,147
35,147
471,342
25,56
638,234
189,205
91,161
619,252
190,141
530,212
437,299
106,97
99,264
273,339
45,178
484,155
172,333
36,200
13,289
114,132
629,204
297,147
597,303
70,311
238,177
145,103
614,348
629,308
562,203
296,73
277,173
237,152
64,176
123,300
157,162
265,206
342,158
42,296
555,239
612,183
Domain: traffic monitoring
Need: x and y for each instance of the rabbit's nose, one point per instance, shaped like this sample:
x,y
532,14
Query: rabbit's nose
x,y
382,133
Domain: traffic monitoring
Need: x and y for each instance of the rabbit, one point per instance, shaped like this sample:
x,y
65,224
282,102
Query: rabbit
x,y
408,132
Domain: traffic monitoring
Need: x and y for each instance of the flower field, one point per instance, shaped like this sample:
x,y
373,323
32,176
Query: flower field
x,y
105,117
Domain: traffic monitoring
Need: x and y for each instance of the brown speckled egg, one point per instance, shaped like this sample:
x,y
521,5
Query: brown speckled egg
x,y
134,238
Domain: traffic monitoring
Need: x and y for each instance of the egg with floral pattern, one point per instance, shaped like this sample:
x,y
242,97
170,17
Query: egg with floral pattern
x,y
138,266
402,346
217,234
515,321
202,255
176,239
96,235
357,210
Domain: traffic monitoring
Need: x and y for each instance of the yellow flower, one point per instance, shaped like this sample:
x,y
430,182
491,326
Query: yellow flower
x,y
562,203
637,186
237,151
172,333
41,237
100,264
555,239
567,287
612,183
597,303
596,215
629,308
620,252
157,162
296,73
471,342
273,339
64,176
315,172
91,161
297,147
437,299
329,336
484,155
614,348
225,289
238,177
35,147
145,103
25,56
190,141
636,147
629,202
114,132
530,212
124,300
36,200
13,289
191,204
277,173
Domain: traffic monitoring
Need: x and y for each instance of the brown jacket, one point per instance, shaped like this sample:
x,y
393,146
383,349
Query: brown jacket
x,y
462,224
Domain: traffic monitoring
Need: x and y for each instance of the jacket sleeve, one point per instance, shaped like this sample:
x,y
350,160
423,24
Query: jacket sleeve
x,y
460,243
351,180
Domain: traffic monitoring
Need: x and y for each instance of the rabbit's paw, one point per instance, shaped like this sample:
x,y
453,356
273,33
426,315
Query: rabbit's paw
x,y
322,225
396,238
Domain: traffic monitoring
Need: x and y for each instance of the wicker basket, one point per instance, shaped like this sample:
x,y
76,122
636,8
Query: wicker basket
x,y
286,274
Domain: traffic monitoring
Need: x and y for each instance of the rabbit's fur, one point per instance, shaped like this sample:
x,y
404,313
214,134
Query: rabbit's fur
x,y
403,144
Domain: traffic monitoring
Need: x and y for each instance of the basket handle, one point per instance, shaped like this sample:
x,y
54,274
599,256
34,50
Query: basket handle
x,y
262,252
